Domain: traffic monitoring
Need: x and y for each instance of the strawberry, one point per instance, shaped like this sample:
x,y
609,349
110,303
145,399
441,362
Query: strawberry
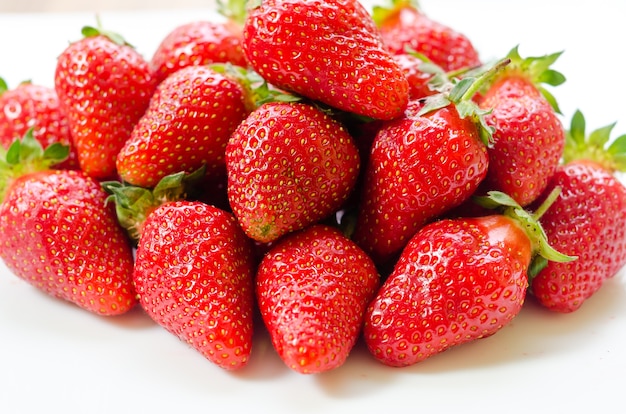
x,y
289,165
457,280
202,42
187,125
403,25
419,167
194,268
587,220
312,289
329,51
528,138
57,234
104,86
34,106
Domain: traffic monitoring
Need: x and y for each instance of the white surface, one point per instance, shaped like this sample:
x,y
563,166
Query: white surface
x,y
57,358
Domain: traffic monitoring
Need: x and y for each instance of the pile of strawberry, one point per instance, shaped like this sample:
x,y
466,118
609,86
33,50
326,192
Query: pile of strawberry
x,y
329,173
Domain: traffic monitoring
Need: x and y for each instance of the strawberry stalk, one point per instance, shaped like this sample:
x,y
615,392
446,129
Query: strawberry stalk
x,y
25,156
133,204
596,147
530,222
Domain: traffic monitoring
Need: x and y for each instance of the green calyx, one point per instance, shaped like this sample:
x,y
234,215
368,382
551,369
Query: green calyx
x,y
530,222
3,86
538,70
98,30
382,12
234,10
133,204
597,146
25,156
460,92
258,91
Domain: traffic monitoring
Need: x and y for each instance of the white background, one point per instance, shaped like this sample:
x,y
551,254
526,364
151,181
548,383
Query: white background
x,y
56,358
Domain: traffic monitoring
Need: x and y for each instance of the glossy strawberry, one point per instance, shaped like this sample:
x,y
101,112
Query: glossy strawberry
x,y
587,220
187,125
457,280
199,42
289,165
419,167
104,87
528,137
194,267
312,288
403,25
57,234
193,276
329,51
29,105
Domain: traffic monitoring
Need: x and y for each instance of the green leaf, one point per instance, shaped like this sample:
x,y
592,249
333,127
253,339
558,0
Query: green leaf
x,y
3,86
600,137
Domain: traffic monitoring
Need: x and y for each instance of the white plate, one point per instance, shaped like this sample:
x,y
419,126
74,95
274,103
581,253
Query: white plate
x,y
54,357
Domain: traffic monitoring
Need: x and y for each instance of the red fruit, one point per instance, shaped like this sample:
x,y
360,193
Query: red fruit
x,y
104,87
198,43
457,280
419,167
587,220
187,125
528,137
417,78
403,25
289,165
57,234
194,277
312,289
34,106
328,51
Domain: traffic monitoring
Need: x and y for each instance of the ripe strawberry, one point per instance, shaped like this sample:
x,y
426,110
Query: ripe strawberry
x,y
187,125
289,165
457,280
403,25
528,135
57,234
419,167
104,87
202,42
312,288
587,220
329,51
194,267
34,106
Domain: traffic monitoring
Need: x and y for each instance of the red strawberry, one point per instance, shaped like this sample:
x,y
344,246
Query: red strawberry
x,y
312,289
419,167
587,220
187,125
457,280
418,79
289,165
193,270
202,42
34,106
329,51
528,135
104,87
57,234
403,25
